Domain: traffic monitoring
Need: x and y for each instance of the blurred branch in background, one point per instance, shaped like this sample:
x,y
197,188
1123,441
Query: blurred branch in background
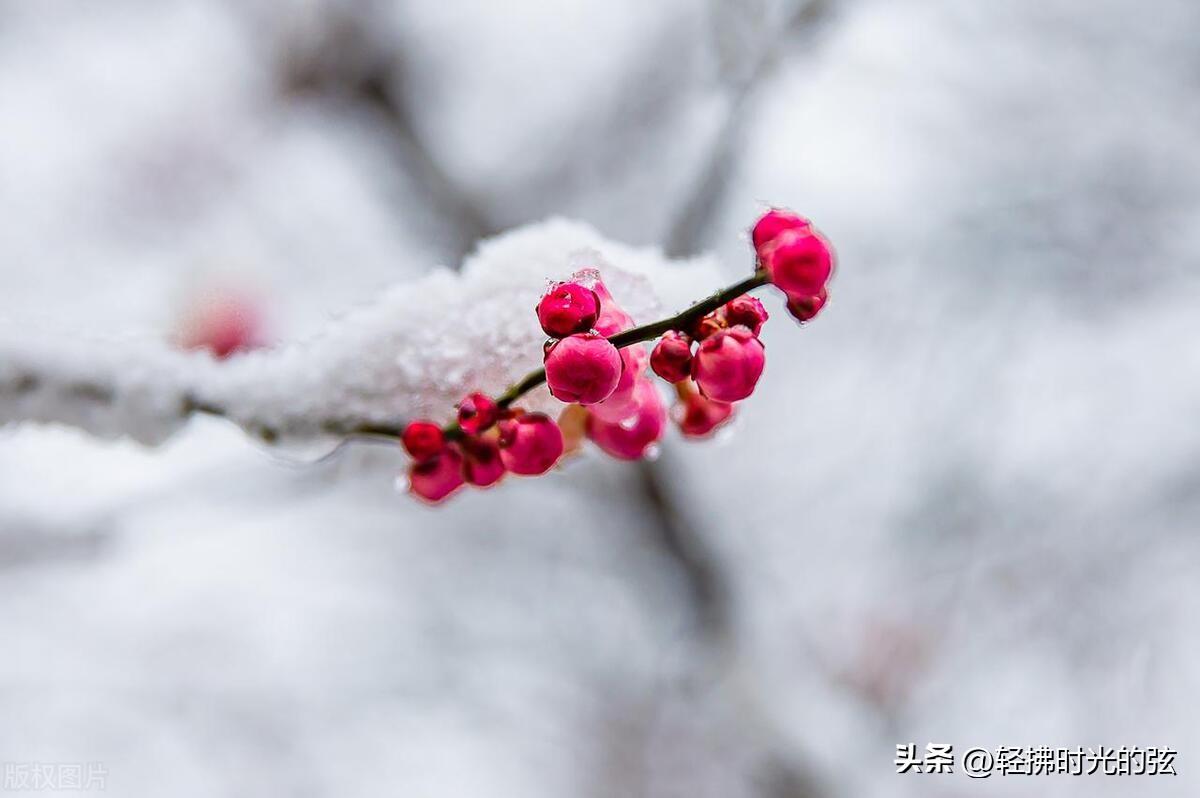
x,y
749,36
346,62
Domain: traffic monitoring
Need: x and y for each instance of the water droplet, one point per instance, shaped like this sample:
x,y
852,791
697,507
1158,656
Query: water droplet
x,y
652,453
402,483
306,451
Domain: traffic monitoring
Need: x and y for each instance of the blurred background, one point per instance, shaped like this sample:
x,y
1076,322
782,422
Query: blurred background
x,y
962,507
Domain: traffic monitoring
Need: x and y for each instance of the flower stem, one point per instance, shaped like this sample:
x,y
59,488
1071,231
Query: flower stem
x,y
647,332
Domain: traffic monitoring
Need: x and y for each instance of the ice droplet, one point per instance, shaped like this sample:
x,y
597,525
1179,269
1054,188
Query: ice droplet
x,y
587,277
652,453
402,483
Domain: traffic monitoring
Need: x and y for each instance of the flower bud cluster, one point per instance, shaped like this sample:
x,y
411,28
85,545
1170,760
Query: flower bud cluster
x,y
490,442
714,365
631,419
714,361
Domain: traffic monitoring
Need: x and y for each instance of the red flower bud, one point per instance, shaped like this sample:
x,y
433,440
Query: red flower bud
x,y
629,439
774,222
672,356
746,311
622,403
727,365
477,412
435,479
583,368
568,308
805,308
530,444
612,319
423,440
225,323
698,415
799,262
482,465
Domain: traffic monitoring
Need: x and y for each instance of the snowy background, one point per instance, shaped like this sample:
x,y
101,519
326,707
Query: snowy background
x,y
962,507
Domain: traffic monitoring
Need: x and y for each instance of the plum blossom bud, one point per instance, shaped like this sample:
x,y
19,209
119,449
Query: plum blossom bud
x,y
622,403
437,478
573,423
423,440
774,222
225,322
629,439
613,319
477,412
591,278
583,368
799,262
482,465
697,416
728,364
746,311
568,308
530,444
672,356
805,308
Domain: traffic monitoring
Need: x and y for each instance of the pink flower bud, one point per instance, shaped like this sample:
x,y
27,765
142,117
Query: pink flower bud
x,y
799,262
583,368
573,423
629,439
435,479
477,412
622,403
672,356
423,440
482,465
568,308
530,444
746,311
591,277
774,222
805,308
698,416
225,323
727,365
612,319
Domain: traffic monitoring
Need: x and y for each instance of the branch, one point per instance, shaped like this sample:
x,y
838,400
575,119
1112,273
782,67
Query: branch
x,y
407,354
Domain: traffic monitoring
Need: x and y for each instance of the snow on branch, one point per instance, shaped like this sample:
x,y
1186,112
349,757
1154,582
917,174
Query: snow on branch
x,y
411,352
